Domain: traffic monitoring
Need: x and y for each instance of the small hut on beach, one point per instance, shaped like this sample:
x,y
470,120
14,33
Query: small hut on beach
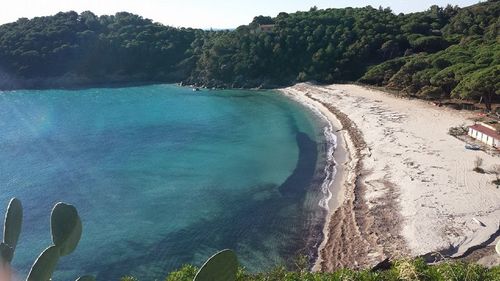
x,y
486,134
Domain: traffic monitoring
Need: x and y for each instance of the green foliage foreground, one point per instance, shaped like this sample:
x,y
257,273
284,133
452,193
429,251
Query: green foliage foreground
x,y
401,271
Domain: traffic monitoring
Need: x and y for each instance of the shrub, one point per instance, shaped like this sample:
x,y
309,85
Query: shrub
x,y
463,271
496,171
458,131
477,165
402,270
186,272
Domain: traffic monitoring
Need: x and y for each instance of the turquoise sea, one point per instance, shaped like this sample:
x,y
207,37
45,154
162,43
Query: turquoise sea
x,y
162,176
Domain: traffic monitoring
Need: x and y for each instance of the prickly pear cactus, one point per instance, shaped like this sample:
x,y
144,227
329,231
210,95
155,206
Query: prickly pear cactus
x,y
6,253
11,230
13,223
45,265
220,267
66,227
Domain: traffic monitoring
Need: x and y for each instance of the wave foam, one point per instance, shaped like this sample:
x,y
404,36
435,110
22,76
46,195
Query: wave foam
x,y
330,169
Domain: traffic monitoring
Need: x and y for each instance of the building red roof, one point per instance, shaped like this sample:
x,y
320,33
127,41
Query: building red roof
x,y
486,131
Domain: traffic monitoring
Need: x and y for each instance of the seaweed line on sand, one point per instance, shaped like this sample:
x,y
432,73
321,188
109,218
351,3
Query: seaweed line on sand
x,y
357,236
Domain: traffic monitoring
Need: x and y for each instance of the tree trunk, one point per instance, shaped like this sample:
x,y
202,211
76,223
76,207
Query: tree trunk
x,y
487,101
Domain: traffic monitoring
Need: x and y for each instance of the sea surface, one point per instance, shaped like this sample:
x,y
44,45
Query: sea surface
x,y
162,176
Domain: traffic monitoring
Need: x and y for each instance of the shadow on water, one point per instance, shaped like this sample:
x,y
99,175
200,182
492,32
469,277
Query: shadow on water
x,y
301,178
254,229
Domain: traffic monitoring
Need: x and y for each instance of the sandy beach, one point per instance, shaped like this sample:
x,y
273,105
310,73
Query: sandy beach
x,y
405,187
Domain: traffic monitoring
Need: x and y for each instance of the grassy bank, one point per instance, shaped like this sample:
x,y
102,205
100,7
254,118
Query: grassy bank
x,y
399,271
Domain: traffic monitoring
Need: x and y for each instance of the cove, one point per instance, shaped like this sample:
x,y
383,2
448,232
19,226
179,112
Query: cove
x,y
162,176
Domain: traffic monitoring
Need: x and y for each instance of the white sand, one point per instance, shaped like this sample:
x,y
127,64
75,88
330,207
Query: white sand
x,y
441,197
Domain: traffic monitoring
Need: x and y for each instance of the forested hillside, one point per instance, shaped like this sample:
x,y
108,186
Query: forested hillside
x,y
322,45
439,53
469,68
89,49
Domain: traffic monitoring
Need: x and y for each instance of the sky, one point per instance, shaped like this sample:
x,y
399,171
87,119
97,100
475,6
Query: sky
x,y
202,14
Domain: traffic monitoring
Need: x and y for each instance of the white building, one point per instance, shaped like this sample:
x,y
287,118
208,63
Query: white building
x,y
485,133
267,28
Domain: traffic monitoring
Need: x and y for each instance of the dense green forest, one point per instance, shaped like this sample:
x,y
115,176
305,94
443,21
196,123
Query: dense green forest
x,y
94,49
440,53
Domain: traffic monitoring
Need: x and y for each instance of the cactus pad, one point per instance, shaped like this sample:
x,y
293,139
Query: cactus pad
x,y
220,267
66,227
44,265
13,223
6,253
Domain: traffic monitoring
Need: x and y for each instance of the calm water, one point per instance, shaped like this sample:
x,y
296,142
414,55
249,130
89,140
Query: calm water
x,y
161,176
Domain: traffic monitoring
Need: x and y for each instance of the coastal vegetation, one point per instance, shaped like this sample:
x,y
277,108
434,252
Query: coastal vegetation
x,y
400,270
440,53
122,47
496,171
478,162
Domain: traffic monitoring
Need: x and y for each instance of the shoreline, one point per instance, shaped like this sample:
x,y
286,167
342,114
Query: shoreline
x,y
346,158
378,209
